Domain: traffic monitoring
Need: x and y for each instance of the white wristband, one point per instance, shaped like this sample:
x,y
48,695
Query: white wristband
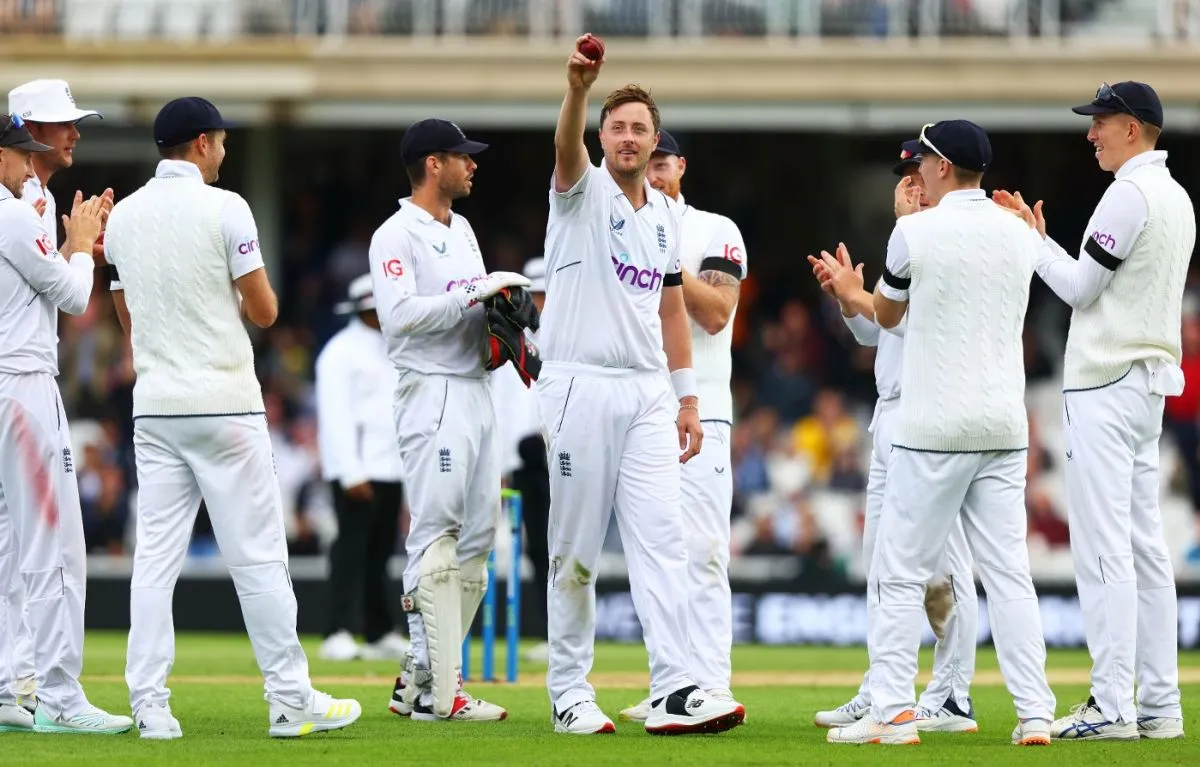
x,y
684,381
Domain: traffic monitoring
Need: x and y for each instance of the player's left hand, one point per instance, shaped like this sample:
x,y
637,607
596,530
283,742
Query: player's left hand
x,y
691,435
845,277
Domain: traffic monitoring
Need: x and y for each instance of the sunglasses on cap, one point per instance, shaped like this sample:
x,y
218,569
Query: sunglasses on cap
x,y
924,140
1106,93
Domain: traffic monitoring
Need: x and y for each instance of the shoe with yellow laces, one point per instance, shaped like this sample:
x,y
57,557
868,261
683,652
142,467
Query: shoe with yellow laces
x,y
322,713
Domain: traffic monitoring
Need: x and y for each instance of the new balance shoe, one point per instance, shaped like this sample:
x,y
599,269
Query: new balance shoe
x,y
691,711
156,723
949,718
1160,727
901,731
639,712
1032,732
1087,722
583,718
464,709
323,713
15,718
844,715
90,721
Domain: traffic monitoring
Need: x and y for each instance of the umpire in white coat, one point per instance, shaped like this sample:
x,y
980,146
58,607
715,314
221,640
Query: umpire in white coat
x,y
360,459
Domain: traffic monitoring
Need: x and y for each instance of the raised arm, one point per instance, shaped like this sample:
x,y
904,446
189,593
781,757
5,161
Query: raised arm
x,y
65,281
570,153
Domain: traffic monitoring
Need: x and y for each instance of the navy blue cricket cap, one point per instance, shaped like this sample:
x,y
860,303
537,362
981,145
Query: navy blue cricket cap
x,y
962,142
1130,98
432,135
184,119
907,160
667,144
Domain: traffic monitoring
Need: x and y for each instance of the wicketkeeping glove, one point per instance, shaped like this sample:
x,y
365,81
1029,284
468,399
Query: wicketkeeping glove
x,y
508,343
516,304
490,286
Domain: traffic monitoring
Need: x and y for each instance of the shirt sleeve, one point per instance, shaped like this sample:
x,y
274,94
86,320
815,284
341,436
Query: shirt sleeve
x,y
1118,221
726,251
897,268
865,331
25,243
573,200
337,431
401,310
241,237
114,276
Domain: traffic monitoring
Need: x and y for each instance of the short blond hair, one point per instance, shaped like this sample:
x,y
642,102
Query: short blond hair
x,y
630,94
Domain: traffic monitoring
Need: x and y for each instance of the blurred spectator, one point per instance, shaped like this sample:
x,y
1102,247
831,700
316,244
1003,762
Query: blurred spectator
x,y
1183,415
102,493
829,431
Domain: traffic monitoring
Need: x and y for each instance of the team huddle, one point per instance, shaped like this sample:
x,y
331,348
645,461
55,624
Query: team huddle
x,y
635,414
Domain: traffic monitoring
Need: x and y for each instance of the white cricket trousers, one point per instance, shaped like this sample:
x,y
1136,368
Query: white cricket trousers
x,y
227,461
924,496
954,654
707,495
42,553
613,446
450,454
1122,565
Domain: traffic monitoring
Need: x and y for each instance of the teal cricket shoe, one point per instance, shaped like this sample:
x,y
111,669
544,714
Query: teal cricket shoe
x,y
90,721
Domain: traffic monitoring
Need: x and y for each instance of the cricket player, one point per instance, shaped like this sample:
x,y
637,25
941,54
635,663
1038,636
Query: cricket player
x,y
360,459
951,602
1122,359
713,257
50,114
615,324
186,268
430,283
960,271
41,525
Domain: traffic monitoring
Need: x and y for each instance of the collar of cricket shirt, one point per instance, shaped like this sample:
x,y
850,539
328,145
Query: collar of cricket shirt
x,y
959,196
1151,157
177,169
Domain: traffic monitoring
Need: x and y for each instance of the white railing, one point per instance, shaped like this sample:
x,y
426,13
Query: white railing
x,y
1110,20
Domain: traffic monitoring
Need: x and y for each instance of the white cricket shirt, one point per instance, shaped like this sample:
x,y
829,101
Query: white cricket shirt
x,y
1127,285
35,282
34,190
709,241
416,261
967,266
606,266
356,386
177,245
889,351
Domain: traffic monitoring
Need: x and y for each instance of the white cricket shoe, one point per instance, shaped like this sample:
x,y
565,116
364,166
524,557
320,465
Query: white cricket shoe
x,y
464,709
1087,722
844,715
15,718
155,722
639,712
1160,727
1032,732
692,710
323,713
901,731
388,647
584,718
90,721
948,718
339,647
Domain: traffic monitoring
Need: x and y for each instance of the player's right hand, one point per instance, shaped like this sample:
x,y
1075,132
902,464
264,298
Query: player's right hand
x,y
582,71
86,221
493,284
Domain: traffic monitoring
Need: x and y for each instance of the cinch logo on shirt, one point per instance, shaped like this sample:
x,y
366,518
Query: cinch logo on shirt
x,y
452,284
248,247
1106,241
634,277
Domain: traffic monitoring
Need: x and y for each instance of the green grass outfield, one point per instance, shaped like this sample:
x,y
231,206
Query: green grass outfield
x,y
217,696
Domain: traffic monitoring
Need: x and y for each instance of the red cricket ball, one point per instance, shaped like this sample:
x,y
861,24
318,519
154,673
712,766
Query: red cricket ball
x,y
592,47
